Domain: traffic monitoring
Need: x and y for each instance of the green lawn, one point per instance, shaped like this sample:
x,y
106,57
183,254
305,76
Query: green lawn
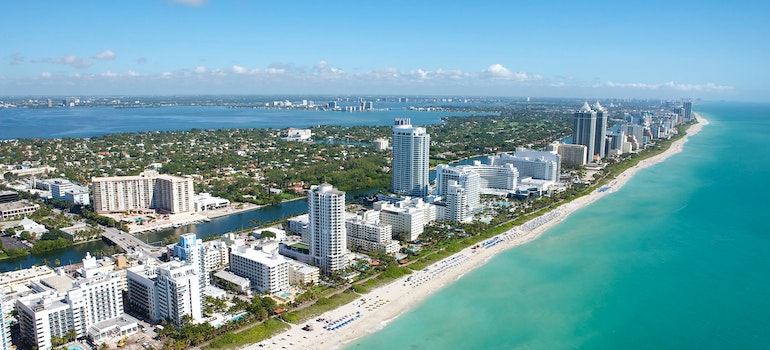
x,y
252,335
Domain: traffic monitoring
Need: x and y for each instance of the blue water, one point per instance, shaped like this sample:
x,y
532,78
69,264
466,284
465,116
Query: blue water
x,y
679,258
93,121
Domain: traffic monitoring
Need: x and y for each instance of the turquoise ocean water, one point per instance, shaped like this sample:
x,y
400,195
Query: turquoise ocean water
x,y
679,258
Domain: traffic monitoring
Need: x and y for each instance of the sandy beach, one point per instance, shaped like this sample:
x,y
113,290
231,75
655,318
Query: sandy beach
x,y
365,316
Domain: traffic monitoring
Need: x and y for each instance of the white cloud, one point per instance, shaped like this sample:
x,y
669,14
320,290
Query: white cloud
x,y
105,55
200,69
45,75
73,61
194,3
498,71
239,69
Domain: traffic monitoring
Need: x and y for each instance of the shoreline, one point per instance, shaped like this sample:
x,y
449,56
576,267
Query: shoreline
x,y
386,303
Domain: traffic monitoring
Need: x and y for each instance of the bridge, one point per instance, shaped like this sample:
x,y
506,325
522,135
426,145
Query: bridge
x,y
130,243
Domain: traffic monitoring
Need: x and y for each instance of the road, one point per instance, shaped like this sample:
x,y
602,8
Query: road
x,y
130,243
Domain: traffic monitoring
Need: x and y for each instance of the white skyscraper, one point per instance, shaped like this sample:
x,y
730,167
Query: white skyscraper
x,y
457,203
411,150
190,249
465,177
328,244
178,292
167,291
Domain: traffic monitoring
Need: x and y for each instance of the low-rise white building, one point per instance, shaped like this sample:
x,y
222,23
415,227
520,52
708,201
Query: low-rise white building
x,y
266,272
205,201
298,134
407,216
366,233
301,273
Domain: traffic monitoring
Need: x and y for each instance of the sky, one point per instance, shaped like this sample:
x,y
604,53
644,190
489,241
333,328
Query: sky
x,y
714,50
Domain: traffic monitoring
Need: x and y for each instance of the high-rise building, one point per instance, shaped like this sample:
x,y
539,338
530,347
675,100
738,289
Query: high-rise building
x,y
190,249
328,244
79,305
178,291
411,150
601,130
463,201
457,208
687,111
584,129
167,291
148,190
571,154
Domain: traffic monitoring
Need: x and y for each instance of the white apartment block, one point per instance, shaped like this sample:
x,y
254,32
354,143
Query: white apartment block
x,y
571,154
457,207
89,301
301,273
411,151
468,179
167,291
178,292
11,279
301,226
149,190
408,216
266,272
494,179
541,165
366,233
328,244
42,316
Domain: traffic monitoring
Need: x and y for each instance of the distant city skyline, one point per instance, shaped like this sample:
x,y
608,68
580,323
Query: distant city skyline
x,y
589,49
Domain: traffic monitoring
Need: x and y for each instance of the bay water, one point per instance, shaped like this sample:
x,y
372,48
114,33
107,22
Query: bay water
x,y
679,258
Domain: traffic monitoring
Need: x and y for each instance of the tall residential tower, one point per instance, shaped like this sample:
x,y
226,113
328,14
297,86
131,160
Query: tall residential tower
x,y
584,129
601,131
411,147
328,241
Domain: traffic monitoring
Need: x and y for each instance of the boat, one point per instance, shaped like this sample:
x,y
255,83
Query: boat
x,y
206,219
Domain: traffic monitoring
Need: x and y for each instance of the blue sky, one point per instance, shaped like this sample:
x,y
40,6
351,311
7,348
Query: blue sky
x,y
657,49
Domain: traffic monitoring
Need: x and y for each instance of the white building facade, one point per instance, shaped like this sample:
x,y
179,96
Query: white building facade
x,y
411,152
266,272
148,190
328,245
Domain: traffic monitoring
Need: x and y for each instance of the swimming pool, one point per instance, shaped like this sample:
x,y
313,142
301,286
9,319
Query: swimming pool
x,y
74,347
